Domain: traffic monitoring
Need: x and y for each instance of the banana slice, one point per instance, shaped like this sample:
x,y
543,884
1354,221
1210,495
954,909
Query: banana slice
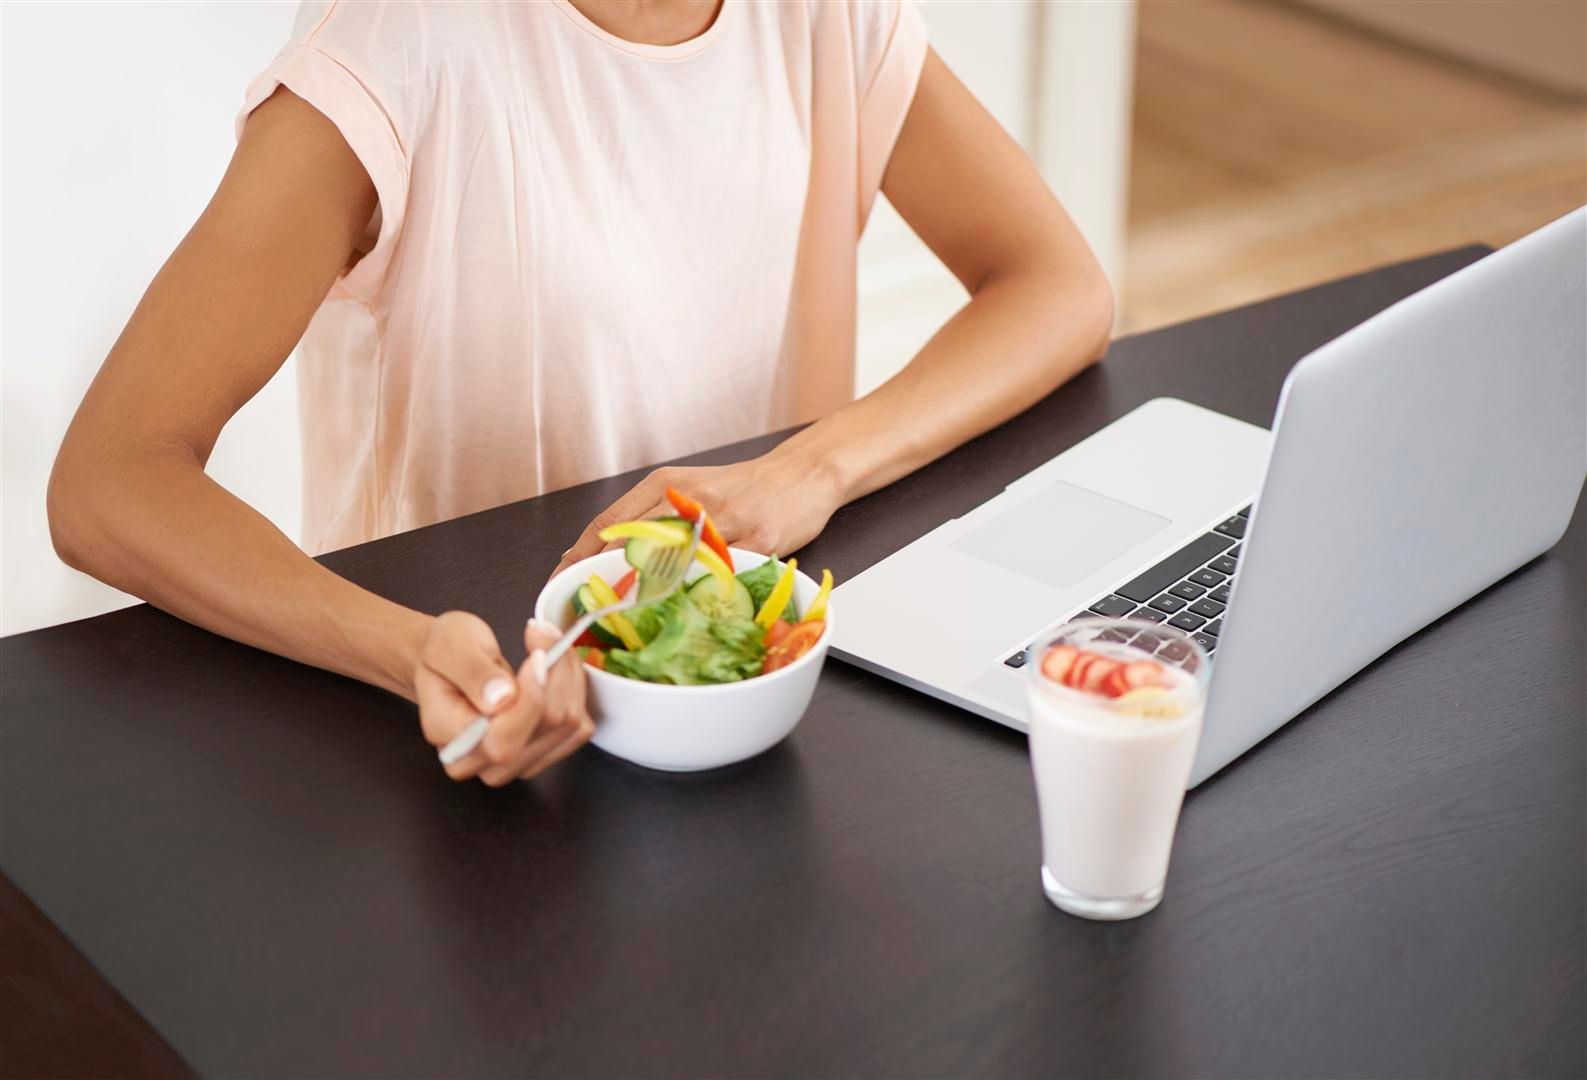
x,y
1156,701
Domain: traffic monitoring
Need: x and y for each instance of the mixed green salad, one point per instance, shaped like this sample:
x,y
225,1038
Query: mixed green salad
x,y
720,627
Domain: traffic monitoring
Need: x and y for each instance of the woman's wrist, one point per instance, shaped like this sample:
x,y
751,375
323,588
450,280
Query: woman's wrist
x,y
393,652
804,461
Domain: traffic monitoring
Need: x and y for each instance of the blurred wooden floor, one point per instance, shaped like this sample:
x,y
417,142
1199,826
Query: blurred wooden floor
x,y
1274,148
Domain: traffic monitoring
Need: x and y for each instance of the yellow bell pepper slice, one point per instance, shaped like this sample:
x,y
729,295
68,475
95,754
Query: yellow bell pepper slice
x,y
662,532
772,609
617,625
818,606
720,570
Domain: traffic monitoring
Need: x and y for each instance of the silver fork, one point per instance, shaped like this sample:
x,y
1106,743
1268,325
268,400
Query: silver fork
x,y
663,571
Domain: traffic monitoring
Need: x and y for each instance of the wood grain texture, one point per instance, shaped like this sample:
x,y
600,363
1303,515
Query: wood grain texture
x,y
1273,147
58,1018
266,863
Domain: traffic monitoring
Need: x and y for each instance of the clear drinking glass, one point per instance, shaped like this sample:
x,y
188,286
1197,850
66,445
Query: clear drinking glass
x,y
1111,770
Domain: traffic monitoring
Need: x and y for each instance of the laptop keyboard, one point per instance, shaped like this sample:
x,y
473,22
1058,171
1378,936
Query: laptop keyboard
x,y
1188,591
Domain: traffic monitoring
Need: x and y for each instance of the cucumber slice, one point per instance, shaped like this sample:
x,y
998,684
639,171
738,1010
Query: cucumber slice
x,y
637,549
706,594
583,604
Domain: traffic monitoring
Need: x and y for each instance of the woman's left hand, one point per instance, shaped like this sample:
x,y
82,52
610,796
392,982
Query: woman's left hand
x,y
773,505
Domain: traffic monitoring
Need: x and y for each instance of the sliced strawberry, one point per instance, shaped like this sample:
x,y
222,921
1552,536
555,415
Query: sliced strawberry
x,y
1077,670
1098,671
1055,665
1143,673
1114,685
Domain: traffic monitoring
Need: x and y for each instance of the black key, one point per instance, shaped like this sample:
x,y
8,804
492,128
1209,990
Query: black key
x,y
1150,614
1208,578
1120,636
1113,606
1213,628
1149,640
1208,608
1234,552
1234,527
1186,621
1243,513
1223,564
1176,566
1168,603
1174,651
1204,641
1017,660
1187,591
1221,594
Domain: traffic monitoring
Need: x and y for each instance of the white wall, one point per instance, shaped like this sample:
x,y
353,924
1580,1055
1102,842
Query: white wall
x,y
100,186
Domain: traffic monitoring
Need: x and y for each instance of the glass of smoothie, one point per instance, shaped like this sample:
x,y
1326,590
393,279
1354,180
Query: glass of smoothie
x,y
1115,712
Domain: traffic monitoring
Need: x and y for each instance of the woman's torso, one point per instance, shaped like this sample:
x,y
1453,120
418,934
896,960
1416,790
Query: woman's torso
x,y
591,255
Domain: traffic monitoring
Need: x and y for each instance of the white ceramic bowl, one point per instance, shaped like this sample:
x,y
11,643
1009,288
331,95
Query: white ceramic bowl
x,y
687,728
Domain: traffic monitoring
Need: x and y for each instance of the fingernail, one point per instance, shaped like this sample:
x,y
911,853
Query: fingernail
x,y
497,691
541,626
537,664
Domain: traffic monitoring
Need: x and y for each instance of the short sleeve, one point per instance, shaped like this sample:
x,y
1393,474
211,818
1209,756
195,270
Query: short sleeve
x,y
350,99
890,50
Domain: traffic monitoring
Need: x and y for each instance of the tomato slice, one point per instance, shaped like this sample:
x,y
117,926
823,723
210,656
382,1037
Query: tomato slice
x,y
798,640
777,631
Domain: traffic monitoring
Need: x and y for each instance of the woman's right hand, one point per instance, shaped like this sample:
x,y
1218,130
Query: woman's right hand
x,y
537,717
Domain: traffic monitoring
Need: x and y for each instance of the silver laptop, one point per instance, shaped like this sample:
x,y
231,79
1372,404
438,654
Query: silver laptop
x,y
1413,462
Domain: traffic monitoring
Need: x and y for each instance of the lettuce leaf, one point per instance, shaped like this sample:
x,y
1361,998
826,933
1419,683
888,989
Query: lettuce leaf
x,y
648,620
761,580
688,649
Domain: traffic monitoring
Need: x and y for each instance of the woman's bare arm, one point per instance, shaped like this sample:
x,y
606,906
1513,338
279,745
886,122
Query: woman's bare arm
x,y
1040,311
1040,307
130,503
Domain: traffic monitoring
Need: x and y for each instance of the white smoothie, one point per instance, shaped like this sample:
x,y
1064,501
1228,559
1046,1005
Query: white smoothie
x,y
1110,781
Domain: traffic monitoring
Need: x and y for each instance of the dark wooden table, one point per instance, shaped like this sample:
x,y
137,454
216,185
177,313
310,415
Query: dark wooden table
x,y
269,869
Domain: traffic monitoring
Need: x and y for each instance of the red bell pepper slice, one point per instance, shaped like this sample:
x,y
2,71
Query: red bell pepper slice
x,y
690,510
713,540
624,583
686,507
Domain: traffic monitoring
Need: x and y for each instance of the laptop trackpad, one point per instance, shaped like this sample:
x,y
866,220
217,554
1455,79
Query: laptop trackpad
x,y
1060,534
